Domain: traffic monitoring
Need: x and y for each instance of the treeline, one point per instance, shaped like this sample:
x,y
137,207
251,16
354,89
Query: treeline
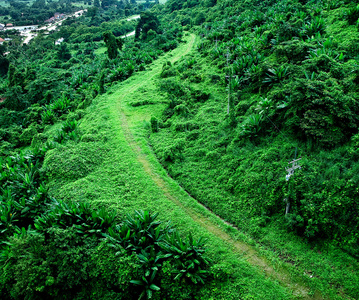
x,y
21,13
45,81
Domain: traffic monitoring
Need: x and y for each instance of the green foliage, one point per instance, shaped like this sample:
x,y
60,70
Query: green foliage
x,y
316,25
251,126
65,265
276,75
63,52
352,14
111,44
148,21
190,262
295,84
77,164
168,70
28,134
23,196
155,245
77,215
48,116
154,124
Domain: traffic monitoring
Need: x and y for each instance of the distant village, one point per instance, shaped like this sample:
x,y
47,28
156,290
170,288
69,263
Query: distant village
x,y
26,29
57,16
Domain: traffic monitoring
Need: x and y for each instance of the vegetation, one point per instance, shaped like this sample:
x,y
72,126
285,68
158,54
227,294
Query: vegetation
x,y
223,95
291,60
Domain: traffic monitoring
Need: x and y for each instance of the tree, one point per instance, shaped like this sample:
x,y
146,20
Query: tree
x,y
15,76
147,22
63,52
112,44
92,11
4,62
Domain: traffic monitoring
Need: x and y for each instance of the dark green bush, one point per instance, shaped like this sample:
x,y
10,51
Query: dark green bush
x,y
28,134
154,124
66,266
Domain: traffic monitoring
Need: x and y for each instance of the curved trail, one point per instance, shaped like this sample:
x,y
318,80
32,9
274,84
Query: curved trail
x,y
280,274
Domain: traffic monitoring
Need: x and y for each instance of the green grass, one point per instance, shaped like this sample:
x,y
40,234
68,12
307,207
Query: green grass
x,y
114,167
100,50
323,267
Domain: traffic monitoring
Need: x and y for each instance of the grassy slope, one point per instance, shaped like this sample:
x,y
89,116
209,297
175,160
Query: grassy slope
x,y
113,166
323,267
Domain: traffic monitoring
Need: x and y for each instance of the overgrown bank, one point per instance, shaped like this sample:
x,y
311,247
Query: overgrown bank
x,y
285,72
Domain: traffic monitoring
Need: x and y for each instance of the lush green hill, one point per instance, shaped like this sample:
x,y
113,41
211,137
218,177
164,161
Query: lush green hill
x,y
202,134
292,94
292,91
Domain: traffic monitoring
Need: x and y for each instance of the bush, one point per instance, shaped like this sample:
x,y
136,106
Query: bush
x,y
28,134
66,266
154,124
71,162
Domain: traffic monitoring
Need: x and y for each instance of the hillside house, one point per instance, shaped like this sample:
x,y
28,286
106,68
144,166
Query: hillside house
x,y
52,19
9,25
2,26
59,16
2,41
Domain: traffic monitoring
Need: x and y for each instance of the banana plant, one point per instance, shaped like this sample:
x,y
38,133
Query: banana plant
x,y
264,106
48,116
79,215
276,75
352,14
147,285
139,232
316,25
188,257
251,126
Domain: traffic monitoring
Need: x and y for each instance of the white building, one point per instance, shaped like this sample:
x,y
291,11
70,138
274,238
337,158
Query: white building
x,y
59,41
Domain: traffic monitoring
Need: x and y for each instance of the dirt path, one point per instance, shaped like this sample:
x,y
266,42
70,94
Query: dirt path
x,y
283,276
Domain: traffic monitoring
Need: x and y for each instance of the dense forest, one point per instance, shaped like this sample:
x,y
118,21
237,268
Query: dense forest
x,y
258,123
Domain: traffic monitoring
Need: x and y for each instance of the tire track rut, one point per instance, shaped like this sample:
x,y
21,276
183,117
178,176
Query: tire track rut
x,y
283,276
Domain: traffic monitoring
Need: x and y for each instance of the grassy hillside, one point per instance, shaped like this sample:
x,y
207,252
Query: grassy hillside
x,y
202,134
119,172
113,168
286,73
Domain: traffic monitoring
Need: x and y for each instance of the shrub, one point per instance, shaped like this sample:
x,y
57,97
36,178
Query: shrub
x,y
71,162
316,25
66,265
352,14
276,75
28,134
154,124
